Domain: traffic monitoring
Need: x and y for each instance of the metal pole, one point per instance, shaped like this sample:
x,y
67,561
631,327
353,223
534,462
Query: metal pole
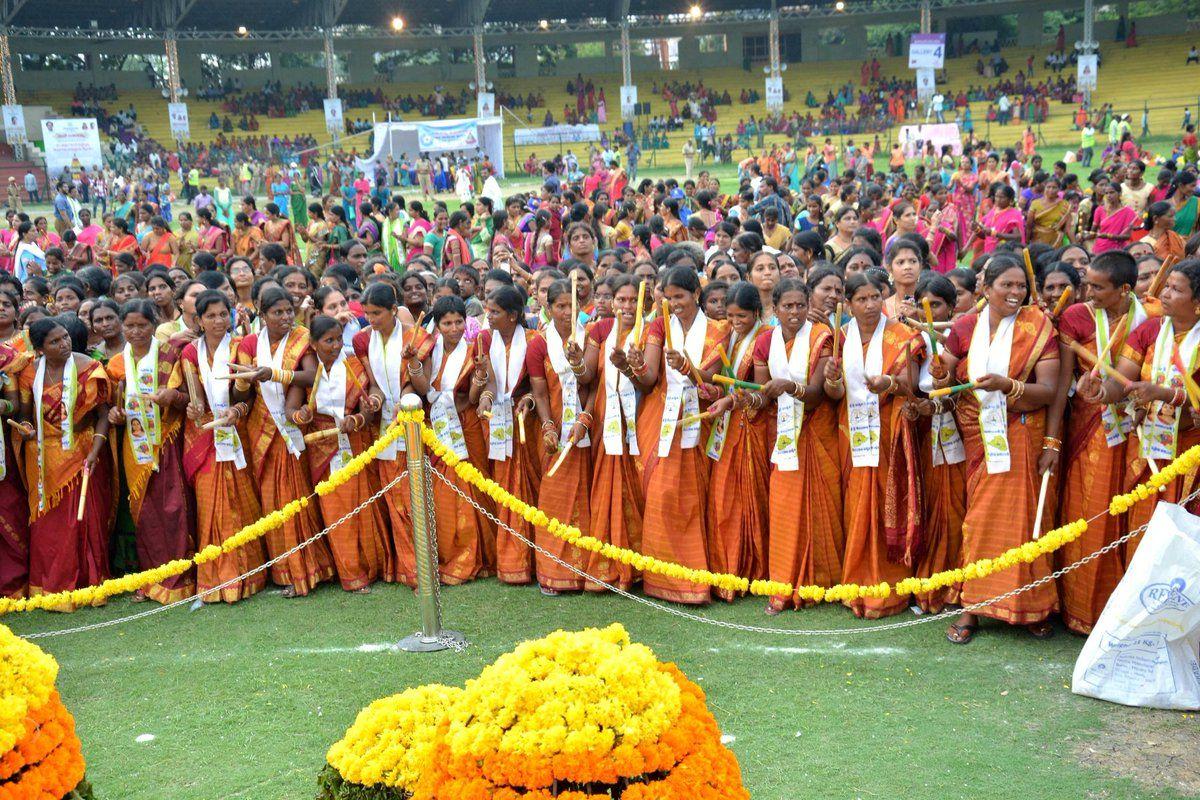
x,y
480,62
431,636
1089,44
626,60
172,49
10,91
926,17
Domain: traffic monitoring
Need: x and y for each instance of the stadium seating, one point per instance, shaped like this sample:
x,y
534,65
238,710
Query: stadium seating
x,y
1126,79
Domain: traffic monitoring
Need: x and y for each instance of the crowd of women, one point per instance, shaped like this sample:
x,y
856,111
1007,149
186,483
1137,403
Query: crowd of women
x,y
686,374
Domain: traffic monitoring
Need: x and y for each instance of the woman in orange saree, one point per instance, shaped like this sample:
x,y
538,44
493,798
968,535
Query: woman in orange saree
x,y
159,246
805,539
14,502
278,357
881,485
1151,359
395,354
151,451
617,502
1095,450
336,408
1009,353
465,534
680,358
120,240
514,463
554,362
214,458
942,458
246,238
737,447
64,408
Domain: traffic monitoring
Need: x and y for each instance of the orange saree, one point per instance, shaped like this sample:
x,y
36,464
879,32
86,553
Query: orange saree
x,y
564,495
359,546
162,508
617,502
466,537
1001,506
738,448
885,498
1093,473
65,553
806,540
283,477
225,501
14,501
676,483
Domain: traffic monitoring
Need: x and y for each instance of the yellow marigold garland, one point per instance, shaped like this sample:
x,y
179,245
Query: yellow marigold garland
x,y
92,595
1026,553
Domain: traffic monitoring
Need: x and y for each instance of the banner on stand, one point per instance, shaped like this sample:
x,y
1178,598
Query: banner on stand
x,y
453,136
180,129
485,103
14,124
335,121
71,142
926,84
1089,65
629,101
774,93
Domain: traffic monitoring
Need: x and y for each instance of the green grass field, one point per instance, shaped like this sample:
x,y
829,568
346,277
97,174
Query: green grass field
x,y
244,701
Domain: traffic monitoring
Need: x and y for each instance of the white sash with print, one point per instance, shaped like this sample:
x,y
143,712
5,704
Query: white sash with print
x,y
331,401
1160,430
620,401
226,440
507,363
273,394
944,437
387,365
863,411
682,394
789,412
720,429
985,355
556,350
143,423
442,411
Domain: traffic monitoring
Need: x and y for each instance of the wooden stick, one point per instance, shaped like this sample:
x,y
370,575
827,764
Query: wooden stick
x,y
193,384
666,317
562,456
980,304
735,383
1189,384
521,426
1033,292
724,356
1041,506
837,332
18,426
949,390
1081,352
1063,299
317,436
1113,373
639,317
936,335
574,306
690,418
83,487
1118,333
1160,277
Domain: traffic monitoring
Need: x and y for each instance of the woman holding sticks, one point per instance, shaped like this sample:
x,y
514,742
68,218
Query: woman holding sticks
x,y
277,357
617,502
67,463
465,533
395,353
501,372
1006,357
881,486
1159,363
554,361
1095,450
737,446
335,413
680,358
151,451
805,536
214,456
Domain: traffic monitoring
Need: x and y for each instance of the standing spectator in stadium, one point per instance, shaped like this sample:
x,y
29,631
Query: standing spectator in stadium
x,y
689,158
64,219
1087,144
31,187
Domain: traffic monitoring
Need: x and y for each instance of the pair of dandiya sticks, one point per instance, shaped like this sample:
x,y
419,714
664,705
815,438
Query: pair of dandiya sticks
x,y
24,428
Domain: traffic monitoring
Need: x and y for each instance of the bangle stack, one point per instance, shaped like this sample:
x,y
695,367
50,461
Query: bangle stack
x,y
1177,398
488,395
1050,443
576,368
755,401
1018,389
585,419
415,373
298,417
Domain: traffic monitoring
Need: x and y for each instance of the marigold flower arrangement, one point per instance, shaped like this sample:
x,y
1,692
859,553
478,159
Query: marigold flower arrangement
x,y
577,716
40,755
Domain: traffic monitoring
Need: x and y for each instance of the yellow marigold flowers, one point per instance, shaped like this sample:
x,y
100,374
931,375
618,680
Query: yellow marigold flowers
x,y
390,741
588,708
27,675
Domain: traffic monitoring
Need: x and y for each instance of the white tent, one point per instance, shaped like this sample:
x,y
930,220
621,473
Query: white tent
x,y
455,137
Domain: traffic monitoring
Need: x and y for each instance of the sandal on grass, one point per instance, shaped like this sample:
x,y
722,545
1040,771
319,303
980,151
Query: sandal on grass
x,y
961,633
1041,630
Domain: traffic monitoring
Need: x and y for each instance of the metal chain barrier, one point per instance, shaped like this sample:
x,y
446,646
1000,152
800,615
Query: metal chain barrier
x,y
678,612
199,595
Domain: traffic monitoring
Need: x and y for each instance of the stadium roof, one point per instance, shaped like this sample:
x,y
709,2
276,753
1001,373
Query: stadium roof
x,y
23,17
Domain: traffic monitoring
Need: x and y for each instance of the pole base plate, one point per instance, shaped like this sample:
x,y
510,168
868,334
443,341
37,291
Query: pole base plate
x,y
446,640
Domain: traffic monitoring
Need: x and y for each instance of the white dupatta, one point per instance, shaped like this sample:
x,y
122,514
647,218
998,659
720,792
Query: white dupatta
x,y
443,413
682,394
387,365
274,394
987,354
620,401
789,412
571,409
226,440
507,363
863,404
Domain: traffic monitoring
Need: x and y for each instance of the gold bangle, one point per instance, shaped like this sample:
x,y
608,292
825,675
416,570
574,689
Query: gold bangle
x,y
103,436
